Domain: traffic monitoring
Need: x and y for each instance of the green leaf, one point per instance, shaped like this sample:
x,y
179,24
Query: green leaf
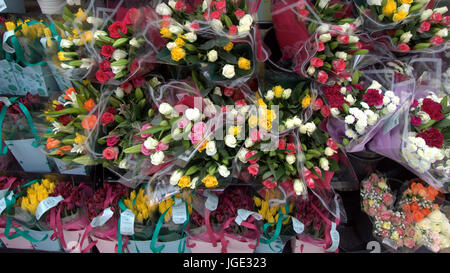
x,y
133,149
193,170
443,123
165,56
84,160
192,59
227,56
155,129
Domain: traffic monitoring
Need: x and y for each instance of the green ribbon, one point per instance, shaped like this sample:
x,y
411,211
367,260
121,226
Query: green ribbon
x,y
182,245
122,207
276,234
37,140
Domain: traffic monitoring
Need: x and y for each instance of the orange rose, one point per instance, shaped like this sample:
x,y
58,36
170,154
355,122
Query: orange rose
x,y
69,92
52,143
406,208
425,212
431,193
414,206
89,122
418,216
89,105
63,149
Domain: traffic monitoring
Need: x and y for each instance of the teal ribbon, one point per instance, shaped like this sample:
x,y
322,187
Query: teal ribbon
x,y
37,140
276,234
182,245
120,245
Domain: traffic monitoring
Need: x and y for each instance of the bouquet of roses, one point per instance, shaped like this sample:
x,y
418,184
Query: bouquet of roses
x,y
426,32
71,117
360,111
418,201
381,14
376,195
222,55
434,231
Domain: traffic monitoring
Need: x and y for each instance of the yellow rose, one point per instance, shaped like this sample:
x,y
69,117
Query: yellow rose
x,y
400,15
271,115
184,182
179,42
244,64
87,36
80,15
382,185
406,1
389,8
253,121
306,101
178,53
165,32
386,225
210,181
260,102
234,130
371,202
229,46
79,139
278,90
395,236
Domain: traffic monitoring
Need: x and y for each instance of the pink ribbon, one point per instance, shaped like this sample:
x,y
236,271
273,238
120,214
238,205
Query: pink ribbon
x,y
327,239
248,225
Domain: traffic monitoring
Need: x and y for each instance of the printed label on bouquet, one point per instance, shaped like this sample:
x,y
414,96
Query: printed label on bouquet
x,y
127,222
211,201
391,122
334,238
3,202
47,204
298,226
103,218
2,5
389,243
179,212
243,214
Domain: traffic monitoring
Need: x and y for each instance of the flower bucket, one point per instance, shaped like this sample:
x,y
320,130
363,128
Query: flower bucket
x,y
105,246
302,246
46,245
276,246
135,246
173,246
51,6
64,168
237,246
200,246
17,243
73,239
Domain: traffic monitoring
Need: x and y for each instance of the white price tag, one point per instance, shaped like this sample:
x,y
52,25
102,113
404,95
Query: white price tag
x,y
298,226
334,238
179,212
243,214
3,202
211,201
2,5
47,204
102,218
127,222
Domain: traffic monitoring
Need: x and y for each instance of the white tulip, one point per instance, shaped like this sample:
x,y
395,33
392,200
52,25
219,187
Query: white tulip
x,y
135,43
311,70
353,39
241,155
157,158
286,93
246,20
94,21
324,28
216,25
243,29
171,45
442,33
223,171
425,15
123,164
329,151
289,123
175,29
228,71
374,2
119,92
323,162
99,33
341,55
334,112
212,56
404,7
323,3
297,121
248,143
172,3
441,10
175,177
117,69
86,63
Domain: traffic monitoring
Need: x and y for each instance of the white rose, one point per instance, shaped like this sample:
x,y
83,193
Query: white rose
x,y
386,100
350,119
119,54
99,33
286,93
191,37
65,43
119,92
372,119
442,33
241,155
297,121
353,39
135,43
323,162
248,143
299,188
175,29
303,129
290,159
436,216
150,143
324,28
374,2
171,45
311,70
341,55
117,69
175,177
334,111
406,37
441,10
391,107
230,141
269,95
212,56
228,71
323,3
310,127
404,7
350,99
389,94
329,151
289,123
325,37
243,29
193,114
162,9
211,148
246,20
157,158
223,171
165,108
425,15
216,25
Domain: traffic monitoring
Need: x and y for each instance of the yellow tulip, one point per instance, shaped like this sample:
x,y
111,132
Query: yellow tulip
x,y
389,8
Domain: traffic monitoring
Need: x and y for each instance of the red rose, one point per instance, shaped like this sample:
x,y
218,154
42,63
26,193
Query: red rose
x,y
228,92
117,29
110,153
433,109
433,137
322,76
317,104
325,110
316,62
268,183
107,118
213,15
416,121
403,47
281,144
111,110
132,17
303,14
195,25
338,65
180,6
446,20
233,30
253,169
138,81
334,96
343,39
104,76
105,65
250,154
436,18
239,14
424,26
221,6
240,103
112,140
127,87
290,149
319,46
107,51
335,30
65,119
373,97
436,40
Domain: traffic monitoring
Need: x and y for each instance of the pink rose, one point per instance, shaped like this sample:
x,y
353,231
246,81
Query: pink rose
x,y
233,30
343,39
400,231
316,62
240,103
255,136
371,211
399,243
338,65
436,40
436,18
250,154
281,144
110,153
377,190
182,122
107,118
381,208
385,215
387,199
221,6
112,140
320,46
322,76
424,26
332,144
335,30
403,47
180,5
239,14
367,185
253,169
199,128
365,203
396,220
409,242
268,183
410,232
385,233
